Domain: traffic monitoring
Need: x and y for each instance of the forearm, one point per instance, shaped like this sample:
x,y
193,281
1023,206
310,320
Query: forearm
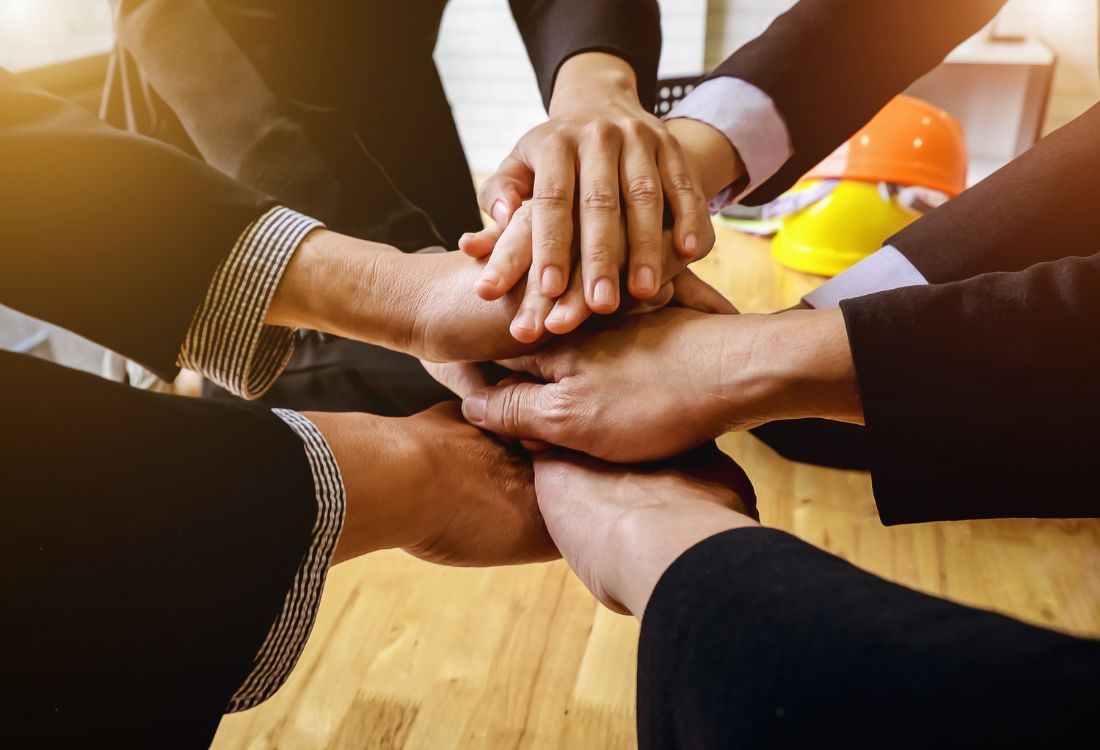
x,y
347,287
794,365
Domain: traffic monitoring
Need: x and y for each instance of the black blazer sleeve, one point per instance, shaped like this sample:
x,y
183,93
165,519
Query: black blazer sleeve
x,y
983,393
238,123
1040,207
830,65
148,544
113,236
755,639
555,30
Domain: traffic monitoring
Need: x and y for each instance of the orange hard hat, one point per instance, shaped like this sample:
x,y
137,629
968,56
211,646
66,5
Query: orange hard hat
x,y
909,142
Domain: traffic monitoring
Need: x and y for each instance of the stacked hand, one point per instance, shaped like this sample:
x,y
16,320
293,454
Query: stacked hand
x,y
619,528
435,486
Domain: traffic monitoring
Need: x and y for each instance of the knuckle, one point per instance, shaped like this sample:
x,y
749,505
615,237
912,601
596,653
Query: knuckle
x,y
642,191
634,127
599,131
682,183
599,198
511,410
551,197
600,255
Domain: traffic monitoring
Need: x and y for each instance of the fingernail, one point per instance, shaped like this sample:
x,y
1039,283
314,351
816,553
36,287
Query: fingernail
x,y
557,315
492,278
500,212
527,321
604,293
553,281
645,279
691,245
465,237
473,406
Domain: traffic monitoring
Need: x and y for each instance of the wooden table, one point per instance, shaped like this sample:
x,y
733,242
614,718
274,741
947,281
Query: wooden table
x,y
409,655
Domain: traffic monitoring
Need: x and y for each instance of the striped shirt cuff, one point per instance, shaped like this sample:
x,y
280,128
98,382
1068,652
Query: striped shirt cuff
x,y
228,341
284,642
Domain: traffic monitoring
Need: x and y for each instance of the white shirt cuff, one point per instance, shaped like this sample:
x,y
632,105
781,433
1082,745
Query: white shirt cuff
x,y
228,341
288,634
749,119
884,270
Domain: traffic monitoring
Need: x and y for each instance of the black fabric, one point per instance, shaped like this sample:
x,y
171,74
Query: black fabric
x,y
754,639
1039,207
148,544
113,236
333,99
338,375
830,65
147,541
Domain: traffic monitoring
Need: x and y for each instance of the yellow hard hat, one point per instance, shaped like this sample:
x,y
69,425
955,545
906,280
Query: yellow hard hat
x,y
840,229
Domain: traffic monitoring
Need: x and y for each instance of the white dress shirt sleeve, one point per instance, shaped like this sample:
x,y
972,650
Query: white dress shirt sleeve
x,y
884,270
749,119
227,340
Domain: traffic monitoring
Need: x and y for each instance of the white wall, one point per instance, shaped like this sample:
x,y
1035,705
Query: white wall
x,y
490,83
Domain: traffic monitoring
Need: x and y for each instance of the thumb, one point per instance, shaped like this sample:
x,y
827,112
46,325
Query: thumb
x,y
695,294
505,190
520,410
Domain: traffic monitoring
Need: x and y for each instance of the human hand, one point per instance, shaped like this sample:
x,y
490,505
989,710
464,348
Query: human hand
x,y
626,164
620,527
653,386
435,486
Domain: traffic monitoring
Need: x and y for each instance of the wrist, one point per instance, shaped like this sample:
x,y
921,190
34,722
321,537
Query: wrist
x,y
798,365
344,286
645,542
593,79
709,153
377,459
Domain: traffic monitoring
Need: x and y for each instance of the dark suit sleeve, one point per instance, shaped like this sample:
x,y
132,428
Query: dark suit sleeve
x,y
244,129
984,391
110,235
555,30
1040,207
149,542
830,65
755,639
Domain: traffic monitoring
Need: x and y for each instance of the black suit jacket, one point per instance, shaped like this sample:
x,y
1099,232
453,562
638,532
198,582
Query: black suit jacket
x,y
754,639
322,104
148,541
981,390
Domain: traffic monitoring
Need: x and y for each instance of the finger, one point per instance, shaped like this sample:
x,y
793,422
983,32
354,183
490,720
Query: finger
x,y
601,226
571,309
696,294
535,446
503,193
510,259
461,378
644,201
528,326
480,244
523,410
552,214
658,302
693,233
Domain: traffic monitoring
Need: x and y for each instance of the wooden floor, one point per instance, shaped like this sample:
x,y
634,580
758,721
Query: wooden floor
x,y
408,655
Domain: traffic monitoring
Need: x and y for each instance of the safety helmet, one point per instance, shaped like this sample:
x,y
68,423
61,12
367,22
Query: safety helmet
x,y
909,142
842,223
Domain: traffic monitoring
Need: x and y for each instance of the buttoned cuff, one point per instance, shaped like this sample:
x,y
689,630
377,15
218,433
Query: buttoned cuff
x,y
288,635
749,119
228,341
884,270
